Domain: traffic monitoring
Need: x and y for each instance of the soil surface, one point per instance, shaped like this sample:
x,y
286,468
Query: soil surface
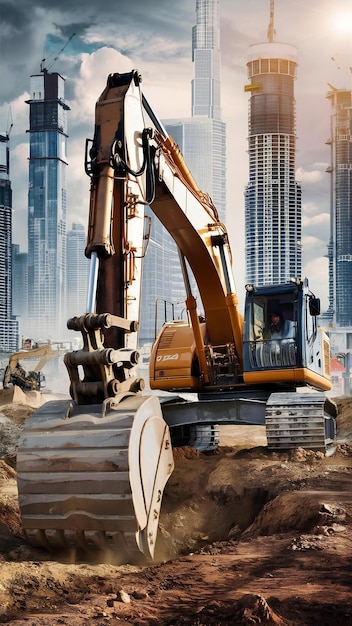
x,y
247,536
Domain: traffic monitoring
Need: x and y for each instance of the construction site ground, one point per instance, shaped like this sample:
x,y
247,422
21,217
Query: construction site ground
x,y
247,536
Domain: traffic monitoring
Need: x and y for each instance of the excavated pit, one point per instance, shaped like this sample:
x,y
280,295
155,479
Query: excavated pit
x,y
235,494
224,495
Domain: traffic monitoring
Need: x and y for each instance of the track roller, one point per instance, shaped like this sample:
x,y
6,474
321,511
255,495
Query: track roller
x,y
306,420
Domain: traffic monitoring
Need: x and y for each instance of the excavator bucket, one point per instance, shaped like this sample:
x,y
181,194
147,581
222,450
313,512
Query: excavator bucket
x,y
92,477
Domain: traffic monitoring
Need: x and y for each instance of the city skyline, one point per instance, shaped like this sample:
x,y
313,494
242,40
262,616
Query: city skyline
x,y
162,55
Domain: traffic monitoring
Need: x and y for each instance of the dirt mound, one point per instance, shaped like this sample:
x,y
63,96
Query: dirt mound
x,y
13,415
298,511
15,395
248,610
344,417
6,471
10,522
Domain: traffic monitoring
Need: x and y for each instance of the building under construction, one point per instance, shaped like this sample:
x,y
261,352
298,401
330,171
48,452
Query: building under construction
x,y
273,196
47,206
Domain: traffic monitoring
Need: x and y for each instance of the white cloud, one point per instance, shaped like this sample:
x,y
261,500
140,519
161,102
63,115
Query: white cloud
x,y
313,221
309,208
311,177
310,241
91,81
317,272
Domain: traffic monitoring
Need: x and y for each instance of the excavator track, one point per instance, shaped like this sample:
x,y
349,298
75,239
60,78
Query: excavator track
x,y
306,420
92,477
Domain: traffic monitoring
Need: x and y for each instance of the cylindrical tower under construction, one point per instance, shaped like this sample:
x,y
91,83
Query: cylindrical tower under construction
x,y
273,196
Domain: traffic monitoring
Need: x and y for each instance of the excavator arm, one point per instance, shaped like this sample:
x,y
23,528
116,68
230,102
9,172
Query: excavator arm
x,y
133,160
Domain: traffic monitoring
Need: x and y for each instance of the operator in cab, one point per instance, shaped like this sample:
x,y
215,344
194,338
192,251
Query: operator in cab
x,y
276,325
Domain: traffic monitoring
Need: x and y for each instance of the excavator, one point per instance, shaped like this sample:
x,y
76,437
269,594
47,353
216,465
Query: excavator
x,y
32,380
92,469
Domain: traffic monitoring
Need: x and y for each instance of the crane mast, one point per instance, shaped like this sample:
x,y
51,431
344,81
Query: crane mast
x,y
271,27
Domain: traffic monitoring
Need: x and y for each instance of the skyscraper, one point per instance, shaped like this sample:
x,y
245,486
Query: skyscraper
x,y
47,206
206,58
202,139
77,274
273,196
19,286
9,340
340,246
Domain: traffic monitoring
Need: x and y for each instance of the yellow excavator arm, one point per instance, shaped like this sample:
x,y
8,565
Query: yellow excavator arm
x,y
133,162
44,353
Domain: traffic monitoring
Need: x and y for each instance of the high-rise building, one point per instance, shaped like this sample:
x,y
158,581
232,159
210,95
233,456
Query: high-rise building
x,y
77,274
340,245
19,286
203,144
9,339
202,140
163,293
206,58
47,206
273,196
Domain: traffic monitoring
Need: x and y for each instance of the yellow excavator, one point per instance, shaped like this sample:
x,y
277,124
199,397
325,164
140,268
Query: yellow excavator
x,y
92,470
28,380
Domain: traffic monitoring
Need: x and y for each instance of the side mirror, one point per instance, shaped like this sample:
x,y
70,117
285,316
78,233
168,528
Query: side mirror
x,y
314,306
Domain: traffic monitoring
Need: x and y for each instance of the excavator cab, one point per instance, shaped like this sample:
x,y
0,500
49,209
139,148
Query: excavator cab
x,y
293,349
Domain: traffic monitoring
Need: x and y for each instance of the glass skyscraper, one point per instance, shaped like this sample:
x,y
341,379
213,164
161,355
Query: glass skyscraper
x,y
202,140
47,207
203,144
340,246
19,286
206,58
9,340
77,274
273,220
163,293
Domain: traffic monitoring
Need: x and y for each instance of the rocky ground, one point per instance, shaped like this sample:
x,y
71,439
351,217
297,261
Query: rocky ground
x,y
247,536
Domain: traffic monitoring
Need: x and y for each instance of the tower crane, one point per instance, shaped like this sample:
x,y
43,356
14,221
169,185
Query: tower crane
x,y
42,65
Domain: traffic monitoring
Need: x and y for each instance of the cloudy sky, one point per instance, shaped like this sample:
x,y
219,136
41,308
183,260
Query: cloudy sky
x,y
154,36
